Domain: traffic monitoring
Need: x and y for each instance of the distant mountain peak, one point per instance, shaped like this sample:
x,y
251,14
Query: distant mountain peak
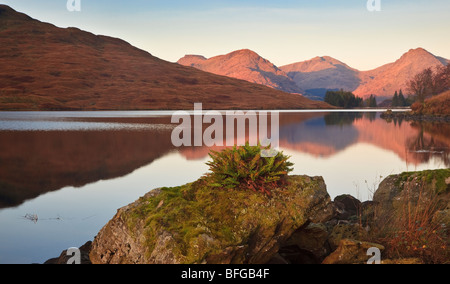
x,y
244,64
417,53
387,79
326,58
192,60
194,56
418,50
423,53
322,73
244,52
315,64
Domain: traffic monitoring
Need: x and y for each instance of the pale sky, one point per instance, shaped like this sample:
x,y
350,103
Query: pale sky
x,y
282,31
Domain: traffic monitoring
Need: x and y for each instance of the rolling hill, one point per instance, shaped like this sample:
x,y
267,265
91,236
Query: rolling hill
x,y
43,67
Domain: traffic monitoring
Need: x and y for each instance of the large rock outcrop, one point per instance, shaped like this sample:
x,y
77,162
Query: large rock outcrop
x,y
412,215
414,188
195,224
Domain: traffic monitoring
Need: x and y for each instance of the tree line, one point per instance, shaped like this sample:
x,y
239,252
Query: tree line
x,y
399,100
430,82
348,100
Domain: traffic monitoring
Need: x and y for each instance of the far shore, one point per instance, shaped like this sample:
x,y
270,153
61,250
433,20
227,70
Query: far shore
x,y
410,116
169,112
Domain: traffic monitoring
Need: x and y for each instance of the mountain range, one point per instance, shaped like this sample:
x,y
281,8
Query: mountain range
x,y
314,77
44,67
246,65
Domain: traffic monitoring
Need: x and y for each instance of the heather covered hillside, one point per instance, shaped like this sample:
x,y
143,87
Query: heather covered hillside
x,y
436,106
43,67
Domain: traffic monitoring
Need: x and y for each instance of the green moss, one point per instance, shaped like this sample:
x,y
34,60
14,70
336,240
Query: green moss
x,y
432,178
402,178
439,177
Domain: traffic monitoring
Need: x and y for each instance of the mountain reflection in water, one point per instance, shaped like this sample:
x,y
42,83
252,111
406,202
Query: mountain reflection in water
x,y
72,171
35,162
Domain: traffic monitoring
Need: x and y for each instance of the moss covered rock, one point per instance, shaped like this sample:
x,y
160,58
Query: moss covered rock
x,y
415,188
196,224
412,216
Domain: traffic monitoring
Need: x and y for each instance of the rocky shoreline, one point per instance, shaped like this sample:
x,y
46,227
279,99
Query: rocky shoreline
x,y
411,116
298,225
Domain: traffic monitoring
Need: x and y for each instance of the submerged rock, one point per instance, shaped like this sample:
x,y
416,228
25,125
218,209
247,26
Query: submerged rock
x,y
197,224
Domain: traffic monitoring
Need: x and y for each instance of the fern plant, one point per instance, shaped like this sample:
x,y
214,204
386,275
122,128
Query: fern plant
x,y
244,168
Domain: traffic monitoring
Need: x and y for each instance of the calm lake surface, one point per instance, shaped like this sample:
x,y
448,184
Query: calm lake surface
x,y
73,170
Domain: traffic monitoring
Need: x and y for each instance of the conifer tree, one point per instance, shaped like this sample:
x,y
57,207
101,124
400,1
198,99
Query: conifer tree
x,y
401,99
395,100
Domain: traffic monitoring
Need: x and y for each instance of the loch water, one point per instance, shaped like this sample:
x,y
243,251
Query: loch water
x,y
63,175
